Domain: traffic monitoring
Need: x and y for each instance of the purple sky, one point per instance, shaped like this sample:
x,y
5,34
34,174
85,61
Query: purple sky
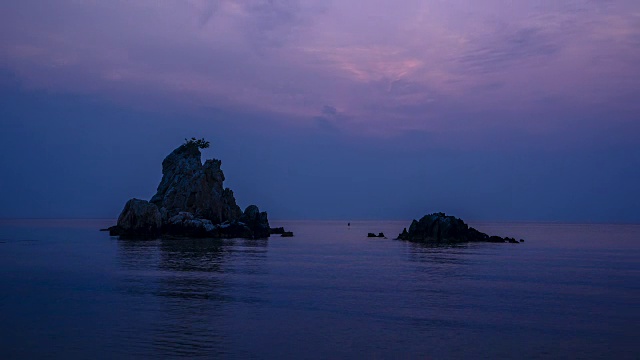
x,y
491,109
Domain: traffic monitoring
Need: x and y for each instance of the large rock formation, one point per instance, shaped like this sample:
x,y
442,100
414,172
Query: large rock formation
x,y
440,228
191,201
189,186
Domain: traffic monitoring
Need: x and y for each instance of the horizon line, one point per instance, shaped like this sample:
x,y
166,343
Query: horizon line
x,y
554,222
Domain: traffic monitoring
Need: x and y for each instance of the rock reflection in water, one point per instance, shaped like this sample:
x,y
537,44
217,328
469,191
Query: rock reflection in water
x,y
193,255
452,254
442,274
186,287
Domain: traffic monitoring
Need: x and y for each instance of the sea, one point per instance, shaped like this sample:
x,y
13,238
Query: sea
x,y
569,291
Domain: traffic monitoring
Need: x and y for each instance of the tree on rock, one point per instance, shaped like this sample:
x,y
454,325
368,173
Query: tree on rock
x,y
199,143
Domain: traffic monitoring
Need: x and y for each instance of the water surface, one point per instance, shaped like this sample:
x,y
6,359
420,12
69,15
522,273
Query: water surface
x,y
69,291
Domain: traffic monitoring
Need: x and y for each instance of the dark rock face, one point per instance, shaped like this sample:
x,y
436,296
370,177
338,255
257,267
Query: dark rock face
x,y
185,224
191,202
138,219
281,231
256,221
440,228
189,186
278,230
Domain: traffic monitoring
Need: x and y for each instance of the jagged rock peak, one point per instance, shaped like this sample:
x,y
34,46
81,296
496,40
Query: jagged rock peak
x,y
187,185
191,202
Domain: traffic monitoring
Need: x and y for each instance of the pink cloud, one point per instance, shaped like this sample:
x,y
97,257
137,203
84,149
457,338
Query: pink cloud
x,y
385,66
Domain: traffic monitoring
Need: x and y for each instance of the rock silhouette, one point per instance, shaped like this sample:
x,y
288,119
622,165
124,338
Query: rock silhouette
x,y
371,235
140,218
440,228
191,201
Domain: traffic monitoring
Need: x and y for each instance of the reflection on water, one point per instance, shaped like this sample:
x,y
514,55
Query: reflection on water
x,y
438,254
137,255
200,255
71,292
184,285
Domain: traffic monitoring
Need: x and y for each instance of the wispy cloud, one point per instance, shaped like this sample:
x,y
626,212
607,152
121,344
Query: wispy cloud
x,y
508,50
390,65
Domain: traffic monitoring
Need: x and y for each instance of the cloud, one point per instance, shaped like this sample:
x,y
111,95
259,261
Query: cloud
x,y
329,111
509,49
390,66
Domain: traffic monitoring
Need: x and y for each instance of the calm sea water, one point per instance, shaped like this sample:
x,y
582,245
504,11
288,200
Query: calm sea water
x,y
69,291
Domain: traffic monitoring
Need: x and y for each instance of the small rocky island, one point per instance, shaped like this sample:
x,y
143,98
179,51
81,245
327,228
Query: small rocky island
x,y
373,235
440,228
192,202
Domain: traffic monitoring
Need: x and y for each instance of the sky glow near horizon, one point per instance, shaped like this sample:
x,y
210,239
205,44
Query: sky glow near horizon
x,y
547,78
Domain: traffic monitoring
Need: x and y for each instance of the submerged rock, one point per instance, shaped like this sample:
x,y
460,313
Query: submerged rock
x,y
191,201
440,228
281,231
371,235
278,230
